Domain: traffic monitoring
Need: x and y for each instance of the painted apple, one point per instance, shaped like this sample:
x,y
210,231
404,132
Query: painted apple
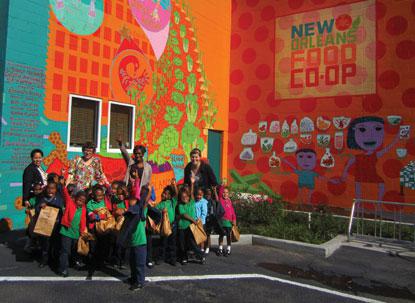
x,y
343,22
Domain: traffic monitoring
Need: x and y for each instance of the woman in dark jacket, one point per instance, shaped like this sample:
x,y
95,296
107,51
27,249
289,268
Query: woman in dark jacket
x,y
201,171
33,174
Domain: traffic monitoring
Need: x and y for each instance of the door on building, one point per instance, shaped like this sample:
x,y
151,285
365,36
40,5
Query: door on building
x,y
215,152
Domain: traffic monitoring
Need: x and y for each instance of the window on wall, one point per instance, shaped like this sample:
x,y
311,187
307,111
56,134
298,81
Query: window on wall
x,y
84,122
120,125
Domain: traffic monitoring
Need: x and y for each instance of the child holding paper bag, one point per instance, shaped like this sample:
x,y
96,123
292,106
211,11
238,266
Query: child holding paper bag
x,y
49,243
187,212
73,225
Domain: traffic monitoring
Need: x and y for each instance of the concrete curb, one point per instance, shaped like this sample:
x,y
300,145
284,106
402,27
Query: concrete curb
x,y
323,250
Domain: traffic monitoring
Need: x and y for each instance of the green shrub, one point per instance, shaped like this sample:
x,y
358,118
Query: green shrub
x,y
265,217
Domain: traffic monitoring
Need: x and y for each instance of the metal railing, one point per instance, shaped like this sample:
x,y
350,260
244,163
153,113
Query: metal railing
x,y
382,221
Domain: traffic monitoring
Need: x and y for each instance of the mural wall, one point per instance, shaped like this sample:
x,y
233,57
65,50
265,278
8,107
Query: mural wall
x,y
321,100
142,53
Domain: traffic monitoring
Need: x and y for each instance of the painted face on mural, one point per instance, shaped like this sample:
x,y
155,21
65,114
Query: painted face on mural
x,y
369,135
306,160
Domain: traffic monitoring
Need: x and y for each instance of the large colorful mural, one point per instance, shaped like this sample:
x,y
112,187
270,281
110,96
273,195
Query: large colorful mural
x,y
141,53
321,100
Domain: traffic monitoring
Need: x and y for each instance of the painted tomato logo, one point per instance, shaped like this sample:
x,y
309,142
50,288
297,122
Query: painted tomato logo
x,y
343,22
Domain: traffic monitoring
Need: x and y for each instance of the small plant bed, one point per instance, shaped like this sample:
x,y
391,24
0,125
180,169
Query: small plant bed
x,y
267,217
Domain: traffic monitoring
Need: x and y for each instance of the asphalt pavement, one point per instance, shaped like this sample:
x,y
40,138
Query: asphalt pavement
x,y
250,274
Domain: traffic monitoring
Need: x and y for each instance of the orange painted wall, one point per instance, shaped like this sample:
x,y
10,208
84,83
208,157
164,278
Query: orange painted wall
x,y
254,44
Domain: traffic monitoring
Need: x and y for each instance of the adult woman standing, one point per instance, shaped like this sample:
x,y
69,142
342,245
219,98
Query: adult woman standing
x,y
86,170
136,166
33,174
202,172
139,171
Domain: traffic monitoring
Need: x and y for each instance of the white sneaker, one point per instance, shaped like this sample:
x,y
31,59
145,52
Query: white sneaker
x,y
207,251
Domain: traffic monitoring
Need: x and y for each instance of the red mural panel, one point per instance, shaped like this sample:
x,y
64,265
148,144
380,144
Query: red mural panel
x,y
325,145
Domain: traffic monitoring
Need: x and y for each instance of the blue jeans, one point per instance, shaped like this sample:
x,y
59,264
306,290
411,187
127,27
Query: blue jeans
x,y
68,246
137,263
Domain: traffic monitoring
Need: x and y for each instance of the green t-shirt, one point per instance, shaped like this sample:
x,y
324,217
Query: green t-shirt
x,y
171,207
93,205
139,235
33,201
119,203
73,230
226,223
188,209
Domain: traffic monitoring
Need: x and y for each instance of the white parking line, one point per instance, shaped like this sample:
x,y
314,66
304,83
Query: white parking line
x,y
193,278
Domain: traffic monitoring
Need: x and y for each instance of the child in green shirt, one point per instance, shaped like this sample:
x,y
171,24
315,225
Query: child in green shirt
x,y
187,215
168,204
138,247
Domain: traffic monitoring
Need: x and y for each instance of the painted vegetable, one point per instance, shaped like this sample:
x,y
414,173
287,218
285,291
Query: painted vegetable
x,y
173,115
191,107
177,97
179,85
182,30
189,61
176,17
191,83
186,45
178,74
177,61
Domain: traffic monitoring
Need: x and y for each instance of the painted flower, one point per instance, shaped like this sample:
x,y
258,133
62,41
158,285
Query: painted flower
x,y
343,22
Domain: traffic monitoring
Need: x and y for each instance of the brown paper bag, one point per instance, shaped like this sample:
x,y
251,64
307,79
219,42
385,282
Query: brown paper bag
x,y
83,244
198,232
83,247
120,221
105,226
153,226
165,225
46,221
235,234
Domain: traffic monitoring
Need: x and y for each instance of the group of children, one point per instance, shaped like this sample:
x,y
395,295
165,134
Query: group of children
x,y
115,218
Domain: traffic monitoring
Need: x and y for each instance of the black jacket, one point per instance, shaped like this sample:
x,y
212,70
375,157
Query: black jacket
x,y
207,176
31,176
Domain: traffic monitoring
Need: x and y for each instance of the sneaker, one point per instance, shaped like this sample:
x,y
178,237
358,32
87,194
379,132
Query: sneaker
x,y
136,286
183,262
219,252
150,264
64,274
202,260
128,281
207,251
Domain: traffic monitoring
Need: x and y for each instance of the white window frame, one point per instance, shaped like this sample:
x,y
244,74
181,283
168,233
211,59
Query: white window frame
x,y
117,150
76,148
